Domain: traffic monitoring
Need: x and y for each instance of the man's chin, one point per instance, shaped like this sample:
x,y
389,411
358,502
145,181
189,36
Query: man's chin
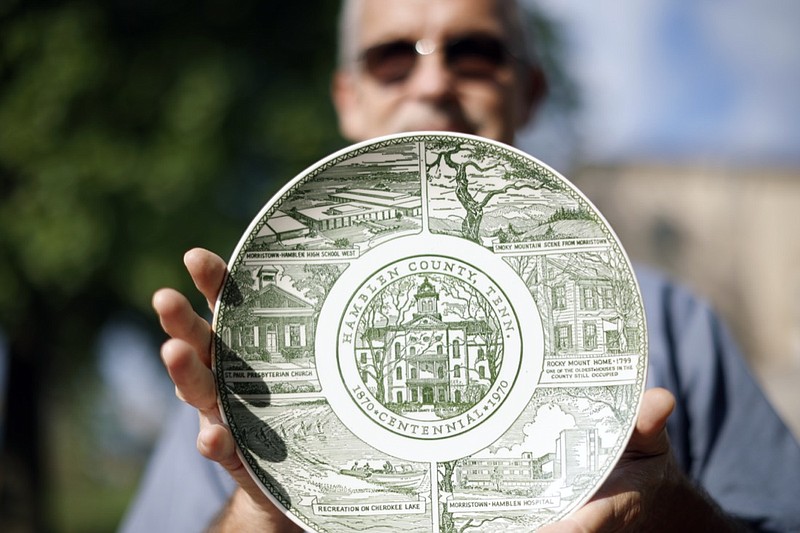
x,y
443,124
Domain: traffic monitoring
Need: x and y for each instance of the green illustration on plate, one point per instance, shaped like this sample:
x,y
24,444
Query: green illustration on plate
x,y
357,204
429,346
492,197
589,303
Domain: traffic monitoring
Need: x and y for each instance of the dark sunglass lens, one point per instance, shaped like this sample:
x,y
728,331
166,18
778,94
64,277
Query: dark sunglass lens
x,y
476,56
390,62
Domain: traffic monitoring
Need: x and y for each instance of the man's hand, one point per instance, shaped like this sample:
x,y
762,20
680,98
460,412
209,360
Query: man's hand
x,y
646,490
187,356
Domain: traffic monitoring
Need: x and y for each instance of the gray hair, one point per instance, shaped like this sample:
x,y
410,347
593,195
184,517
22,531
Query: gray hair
x,y
349,20
513,19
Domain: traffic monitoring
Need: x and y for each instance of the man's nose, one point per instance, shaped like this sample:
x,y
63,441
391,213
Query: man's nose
x,y
431,79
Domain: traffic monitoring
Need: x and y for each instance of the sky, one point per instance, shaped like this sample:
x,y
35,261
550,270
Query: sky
x,y
681,79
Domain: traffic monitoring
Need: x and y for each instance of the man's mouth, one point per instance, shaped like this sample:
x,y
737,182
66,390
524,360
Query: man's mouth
x,y
427,119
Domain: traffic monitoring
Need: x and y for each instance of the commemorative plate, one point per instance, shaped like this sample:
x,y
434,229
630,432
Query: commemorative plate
x,y
429,331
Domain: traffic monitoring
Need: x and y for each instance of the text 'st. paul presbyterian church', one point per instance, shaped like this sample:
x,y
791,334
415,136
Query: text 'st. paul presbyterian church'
x,y
429,359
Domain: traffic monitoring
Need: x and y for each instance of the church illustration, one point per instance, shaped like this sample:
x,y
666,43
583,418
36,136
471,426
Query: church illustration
x,y
429,359
282,325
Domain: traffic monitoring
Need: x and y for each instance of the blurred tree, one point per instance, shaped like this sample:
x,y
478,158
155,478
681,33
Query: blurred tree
x,y
129,132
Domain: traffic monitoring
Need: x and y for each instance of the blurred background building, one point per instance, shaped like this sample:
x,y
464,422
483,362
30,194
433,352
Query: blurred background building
x,y
731,234
686,135
130,132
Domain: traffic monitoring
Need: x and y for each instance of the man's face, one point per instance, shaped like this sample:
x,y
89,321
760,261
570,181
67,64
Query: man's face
x,y
441,88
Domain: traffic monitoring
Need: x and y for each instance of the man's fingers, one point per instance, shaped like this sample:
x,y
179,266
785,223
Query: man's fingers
x,y
208,272
193,380
187,357
216,443
567,525
650,434
657,405
180,321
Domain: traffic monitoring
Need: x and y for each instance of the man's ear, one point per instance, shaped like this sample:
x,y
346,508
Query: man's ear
x,y
535,91
345,99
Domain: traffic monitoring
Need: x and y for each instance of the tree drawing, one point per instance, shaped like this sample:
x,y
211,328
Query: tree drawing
x,y
607,405
519,263
447,523
465,302
617,398
477,175
378,330
239,298
394,330
445,472
316,285
613,268
542,275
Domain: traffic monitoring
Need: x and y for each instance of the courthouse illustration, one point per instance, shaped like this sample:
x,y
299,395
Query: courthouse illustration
x,y
428,359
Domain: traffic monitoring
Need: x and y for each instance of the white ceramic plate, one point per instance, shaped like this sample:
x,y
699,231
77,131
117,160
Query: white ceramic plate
x,y
429,331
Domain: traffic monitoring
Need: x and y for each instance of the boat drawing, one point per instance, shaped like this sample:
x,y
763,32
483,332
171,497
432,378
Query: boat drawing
x,y
402,476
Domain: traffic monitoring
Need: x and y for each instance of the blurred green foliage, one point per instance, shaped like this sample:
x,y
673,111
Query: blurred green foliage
x,y
131,131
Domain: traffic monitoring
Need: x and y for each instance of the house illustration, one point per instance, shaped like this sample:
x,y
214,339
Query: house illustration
x,y
428,359
586,310
282,325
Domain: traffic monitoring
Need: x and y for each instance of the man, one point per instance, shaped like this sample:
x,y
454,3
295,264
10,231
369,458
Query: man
x,y
462,65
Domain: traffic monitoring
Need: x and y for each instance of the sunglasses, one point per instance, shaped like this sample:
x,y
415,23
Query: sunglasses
x,y
470,57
